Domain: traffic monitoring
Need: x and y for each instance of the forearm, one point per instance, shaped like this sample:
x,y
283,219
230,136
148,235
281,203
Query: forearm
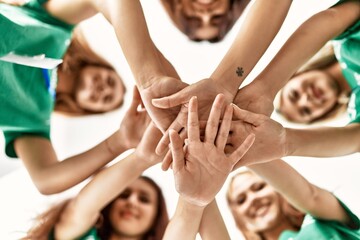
x,y
304,43
130,27
51,176
212,225
261,25
82,211
109,183
323,142
185,222
299,192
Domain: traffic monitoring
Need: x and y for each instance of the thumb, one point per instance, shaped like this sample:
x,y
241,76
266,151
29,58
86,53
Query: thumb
x,y
173,100
246,116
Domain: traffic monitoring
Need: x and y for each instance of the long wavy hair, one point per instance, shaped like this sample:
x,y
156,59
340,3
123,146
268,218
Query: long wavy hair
x,y
292,215
77,56
44,223
155,232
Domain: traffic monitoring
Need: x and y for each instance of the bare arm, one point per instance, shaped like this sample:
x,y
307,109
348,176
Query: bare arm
x,y
82,211
185,222
52,176
212,225
299,192
261,25
304,43
323,142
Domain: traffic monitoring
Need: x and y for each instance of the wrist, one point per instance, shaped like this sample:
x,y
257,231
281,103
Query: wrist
x,y
290,145
114,144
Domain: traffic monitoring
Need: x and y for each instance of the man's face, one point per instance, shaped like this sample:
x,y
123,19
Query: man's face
x,y
200,20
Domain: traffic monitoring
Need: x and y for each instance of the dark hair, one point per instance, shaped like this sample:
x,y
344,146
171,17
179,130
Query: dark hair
x,y
226,22
158,228
294,216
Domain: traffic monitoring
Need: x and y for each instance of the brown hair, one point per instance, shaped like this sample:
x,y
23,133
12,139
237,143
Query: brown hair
x,y
45,222
158,228
323,59
77,56
236,9
294,216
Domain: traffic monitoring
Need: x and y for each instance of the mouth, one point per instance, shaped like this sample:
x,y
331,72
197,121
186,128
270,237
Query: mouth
x,y
262,211
128,215
205,2
317,92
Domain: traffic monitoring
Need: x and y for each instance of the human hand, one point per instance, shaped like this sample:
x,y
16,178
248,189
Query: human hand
x,y
205,90
160,87
254,99
270,142
204,162
134,123
145,151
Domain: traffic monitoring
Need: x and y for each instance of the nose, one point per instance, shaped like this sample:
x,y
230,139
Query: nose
x,y
304,100
132,200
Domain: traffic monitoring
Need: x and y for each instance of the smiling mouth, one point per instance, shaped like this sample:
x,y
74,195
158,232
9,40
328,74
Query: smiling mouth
x,y
127,215
262,211
316,92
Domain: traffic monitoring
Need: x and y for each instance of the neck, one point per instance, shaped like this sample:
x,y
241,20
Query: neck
x,y
119,237
335,71
66,83
275,232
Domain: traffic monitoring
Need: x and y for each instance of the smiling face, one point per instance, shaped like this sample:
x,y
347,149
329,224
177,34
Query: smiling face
x,y
133,212
99,89
254,203
309,96
203,19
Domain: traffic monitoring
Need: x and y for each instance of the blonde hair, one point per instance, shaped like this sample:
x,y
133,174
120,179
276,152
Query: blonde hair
x,y
294,216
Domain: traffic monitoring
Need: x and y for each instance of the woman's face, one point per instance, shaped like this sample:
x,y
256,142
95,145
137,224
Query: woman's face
x,y
134,211
255,203
203,19
308,96
99,89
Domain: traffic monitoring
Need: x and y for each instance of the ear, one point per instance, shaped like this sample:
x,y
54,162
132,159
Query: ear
x,y
343,98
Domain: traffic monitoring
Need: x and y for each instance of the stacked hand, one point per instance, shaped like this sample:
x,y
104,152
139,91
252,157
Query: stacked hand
x,y
205,91
202,162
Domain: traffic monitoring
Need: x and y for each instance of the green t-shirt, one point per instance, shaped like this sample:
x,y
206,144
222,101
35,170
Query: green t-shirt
x,y
26,100
347,51
90,235
318,229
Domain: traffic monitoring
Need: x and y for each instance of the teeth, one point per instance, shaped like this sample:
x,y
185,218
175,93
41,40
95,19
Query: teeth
x,y
261,210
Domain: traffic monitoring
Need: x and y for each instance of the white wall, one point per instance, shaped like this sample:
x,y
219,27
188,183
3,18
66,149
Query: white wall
x,y
193,61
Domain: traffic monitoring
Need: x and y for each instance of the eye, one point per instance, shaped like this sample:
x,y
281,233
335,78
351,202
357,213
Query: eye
x,y
258,186
111,82
108,99
306,111
124,195
294,95
241,199
144,199
217,19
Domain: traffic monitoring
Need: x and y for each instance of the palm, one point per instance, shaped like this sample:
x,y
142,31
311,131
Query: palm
x,y
162,87
202,162
212,168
